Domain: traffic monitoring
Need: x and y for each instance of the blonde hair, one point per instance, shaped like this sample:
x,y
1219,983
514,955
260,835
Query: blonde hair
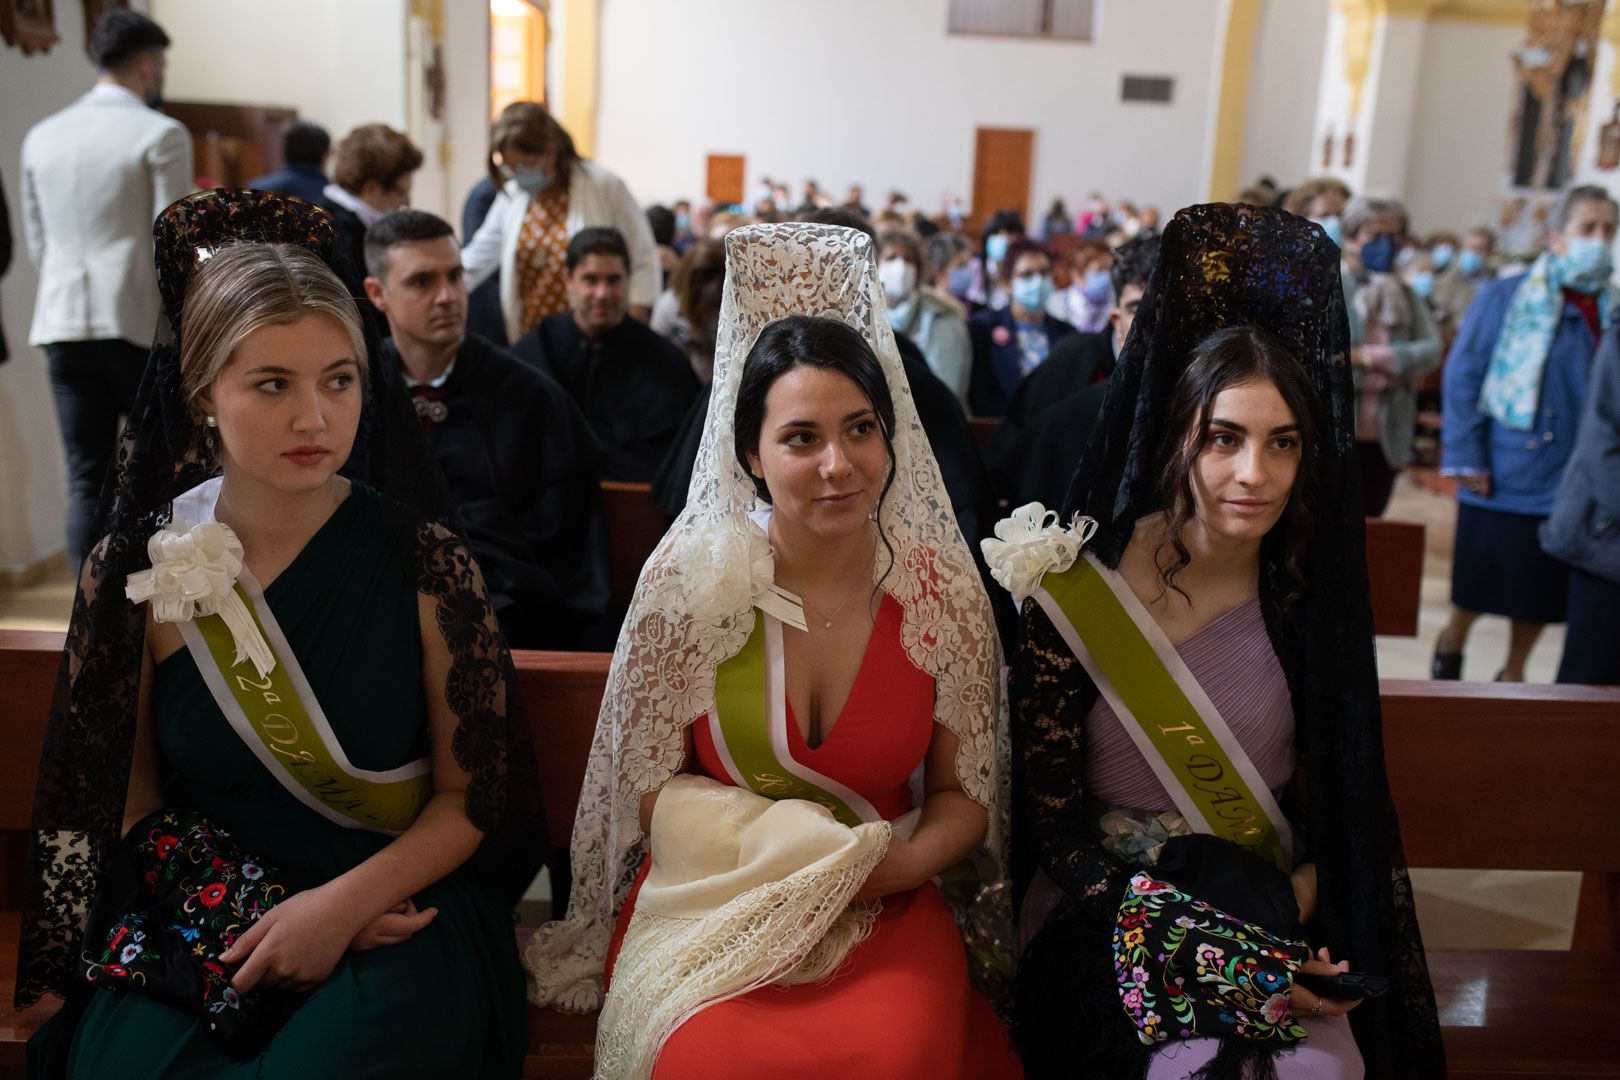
x,y
243,287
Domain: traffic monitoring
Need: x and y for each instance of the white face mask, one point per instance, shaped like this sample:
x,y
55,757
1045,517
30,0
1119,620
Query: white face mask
x,y
898,278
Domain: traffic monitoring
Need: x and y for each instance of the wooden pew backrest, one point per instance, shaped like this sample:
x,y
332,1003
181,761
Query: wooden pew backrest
x,y
634,525
1395,575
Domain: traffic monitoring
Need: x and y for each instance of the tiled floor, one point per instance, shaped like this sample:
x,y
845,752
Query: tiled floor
x,y
1458,908
42,606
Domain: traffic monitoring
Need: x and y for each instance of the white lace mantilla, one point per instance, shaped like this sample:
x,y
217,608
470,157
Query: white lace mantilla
x,y
693,604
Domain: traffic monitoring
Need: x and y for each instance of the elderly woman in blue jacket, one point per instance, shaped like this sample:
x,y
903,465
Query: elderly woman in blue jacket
x,y
1584,529
1514,389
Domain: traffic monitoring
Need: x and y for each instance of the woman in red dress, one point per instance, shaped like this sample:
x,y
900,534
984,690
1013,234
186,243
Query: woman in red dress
x,y
812,628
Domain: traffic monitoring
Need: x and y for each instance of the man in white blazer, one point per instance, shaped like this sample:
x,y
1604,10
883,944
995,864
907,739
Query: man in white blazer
x,y
94,178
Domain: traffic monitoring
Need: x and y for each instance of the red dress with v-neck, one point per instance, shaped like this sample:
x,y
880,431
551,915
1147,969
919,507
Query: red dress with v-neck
x,y
902,1005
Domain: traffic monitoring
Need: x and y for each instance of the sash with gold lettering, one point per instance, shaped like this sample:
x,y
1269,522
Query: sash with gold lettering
x,y
749,727
279,719
1165,711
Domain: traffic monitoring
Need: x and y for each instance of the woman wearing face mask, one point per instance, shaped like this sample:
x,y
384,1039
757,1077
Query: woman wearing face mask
x,y
1010,342
936,322
1322,199
1453,289
987,290
1513,392
547,194
1393,344
948,265
1085,304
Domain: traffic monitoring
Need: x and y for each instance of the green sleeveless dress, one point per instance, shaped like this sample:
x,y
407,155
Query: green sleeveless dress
x,y
449,1002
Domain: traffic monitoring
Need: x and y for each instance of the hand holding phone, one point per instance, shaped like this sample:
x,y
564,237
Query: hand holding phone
x,y
1345,986
1309,1003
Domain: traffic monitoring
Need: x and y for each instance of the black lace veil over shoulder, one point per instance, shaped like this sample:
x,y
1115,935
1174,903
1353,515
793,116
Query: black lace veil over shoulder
x,y
84,769
1224,265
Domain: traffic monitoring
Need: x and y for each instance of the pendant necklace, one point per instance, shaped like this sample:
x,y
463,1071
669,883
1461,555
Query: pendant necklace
x,y
827,620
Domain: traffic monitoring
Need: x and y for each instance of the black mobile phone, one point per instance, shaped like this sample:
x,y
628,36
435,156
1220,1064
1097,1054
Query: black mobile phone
x,y
1345,986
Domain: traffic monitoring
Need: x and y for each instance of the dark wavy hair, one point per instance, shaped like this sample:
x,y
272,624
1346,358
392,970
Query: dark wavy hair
x,y
810,341
1226,358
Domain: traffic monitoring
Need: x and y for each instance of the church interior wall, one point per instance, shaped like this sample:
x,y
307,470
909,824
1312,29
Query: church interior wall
x,y
1458,159
880,94
338,64
1283,84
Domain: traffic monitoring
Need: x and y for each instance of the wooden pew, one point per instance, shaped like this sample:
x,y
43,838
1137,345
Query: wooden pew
x,y
1486,776
1394,555
1395,575
634,525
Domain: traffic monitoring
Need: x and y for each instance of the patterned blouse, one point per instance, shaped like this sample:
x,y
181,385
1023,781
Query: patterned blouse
x,y
542,249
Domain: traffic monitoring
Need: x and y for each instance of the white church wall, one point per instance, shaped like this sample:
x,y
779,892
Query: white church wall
x,y
338,64
33,479
1459,158
1284,80
850,91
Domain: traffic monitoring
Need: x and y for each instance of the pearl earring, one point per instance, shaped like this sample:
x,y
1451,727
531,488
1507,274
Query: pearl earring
x,y
210,420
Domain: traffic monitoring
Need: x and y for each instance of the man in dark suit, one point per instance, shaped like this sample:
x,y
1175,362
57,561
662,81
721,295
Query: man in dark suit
x,y
303,148
633,386
516,454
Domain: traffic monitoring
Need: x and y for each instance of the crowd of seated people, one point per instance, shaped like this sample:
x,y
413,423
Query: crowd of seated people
x,y
1021,327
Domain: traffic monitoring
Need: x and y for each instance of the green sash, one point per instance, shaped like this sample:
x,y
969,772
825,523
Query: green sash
x,y
279,719
1167,714
749,727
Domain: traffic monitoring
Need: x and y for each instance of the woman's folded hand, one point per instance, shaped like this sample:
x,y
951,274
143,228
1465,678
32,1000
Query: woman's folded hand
x,y
296,945
898,872
399,923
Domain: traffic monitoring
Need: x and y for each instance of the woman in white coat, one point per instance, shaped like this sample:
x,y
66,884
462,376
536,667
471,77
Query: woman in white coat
x,y
547,193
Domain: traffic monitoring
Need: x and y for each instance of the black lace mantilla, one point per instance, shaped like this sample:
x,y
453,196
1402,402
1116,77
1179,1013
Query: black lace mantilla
x,y
1227,265
84,769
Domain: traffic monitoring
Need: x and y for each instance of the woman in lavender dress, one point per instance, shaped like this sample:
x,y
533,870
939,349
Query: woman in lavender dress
x,y
1222,539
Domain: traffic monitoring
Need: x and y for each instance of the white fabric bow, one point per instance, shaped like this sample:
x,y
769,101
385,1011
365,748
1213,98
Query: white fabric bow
x,y
194,572
1029,543
730,569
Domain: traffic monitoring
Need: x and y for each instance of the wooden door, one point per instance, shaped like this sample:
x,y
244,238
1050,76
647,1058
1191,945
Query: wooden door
x,y
726,173
1003,159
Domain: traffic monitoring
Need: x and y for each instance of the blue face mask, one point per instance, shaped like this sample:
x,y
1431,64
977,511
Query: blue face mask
x,y
1032,291
960,281
1470,262
995,248
1440,256
682,223
1333,227
1096,286
530,179
1587,263
1422,282
1378,254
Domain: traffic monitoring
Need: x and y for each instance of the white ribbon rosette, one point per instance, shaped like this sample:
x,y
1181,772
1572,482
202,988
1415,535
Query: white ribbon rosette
x,y
1029,543
731,569
194,572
